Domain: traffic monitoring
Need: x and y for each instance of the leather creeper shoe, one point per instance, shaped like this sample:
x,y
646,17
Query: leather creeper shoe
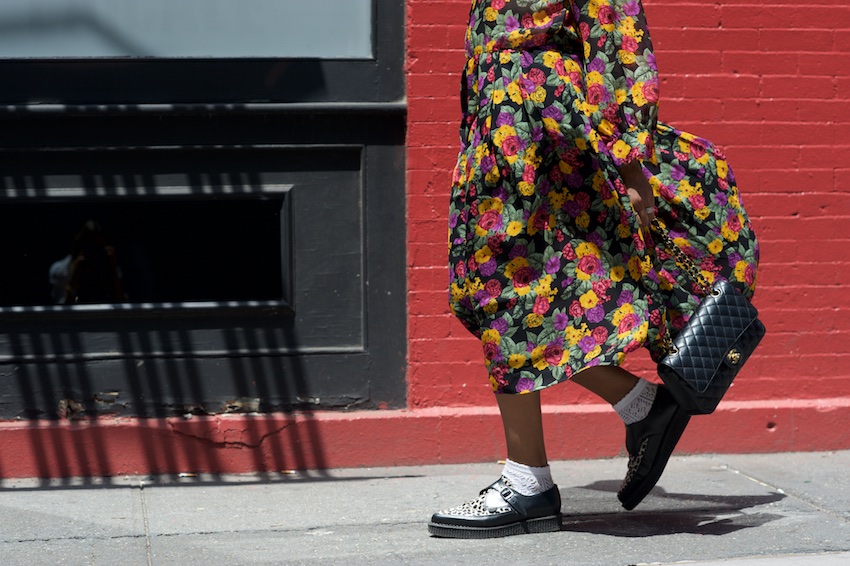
x,y
499,511
650,442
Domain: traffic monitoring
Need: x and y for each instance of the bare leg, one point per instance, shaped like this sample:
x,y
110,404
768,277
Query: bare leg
x,y
612,383
523,422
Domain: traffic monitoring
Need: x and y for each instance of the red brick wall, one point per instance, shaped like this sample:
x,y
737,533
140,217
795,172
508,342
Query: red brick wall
x,y
768,82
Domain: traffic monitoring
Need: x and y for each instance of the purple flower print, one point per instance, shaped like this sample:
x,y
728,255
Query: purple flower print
x,y
526,60
553,265
625,298
489,268
505,119
511,24
631,8
587,344
518,251
596,314
677,172
596,239
597,65
524,384
537,133
721,199
552,112
561,321
500,325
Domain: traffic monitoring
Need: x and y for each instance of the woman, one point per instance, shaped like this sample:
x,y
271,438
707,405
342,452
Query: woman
x,y
562,168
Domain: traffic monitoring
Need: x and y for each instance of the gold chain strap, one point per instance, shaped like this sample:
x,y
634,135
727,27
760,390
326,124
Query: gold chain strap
x,y
694,272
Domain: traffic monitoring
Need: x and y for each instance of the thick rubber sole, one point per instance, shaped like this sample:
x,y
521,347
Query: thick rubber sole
x,y
668,444
542,525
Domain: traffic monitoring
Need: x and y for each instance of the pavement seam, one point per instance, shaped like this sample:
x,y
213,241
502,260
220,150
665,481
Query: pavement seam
x,y
792,495
148,553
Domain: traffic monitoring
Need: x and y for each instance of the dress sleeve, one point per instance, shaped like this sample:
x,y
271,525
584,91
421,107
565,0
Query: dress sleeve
x,y
621,77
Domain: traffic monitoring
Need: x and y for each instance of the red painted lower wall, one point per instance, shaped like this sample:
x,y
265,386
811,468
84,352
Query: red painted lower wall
x,y
240,444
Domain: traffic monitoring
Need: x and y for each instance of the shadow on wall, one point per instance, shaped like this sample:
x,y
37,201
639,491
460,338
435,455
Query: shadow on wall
x,y
161,377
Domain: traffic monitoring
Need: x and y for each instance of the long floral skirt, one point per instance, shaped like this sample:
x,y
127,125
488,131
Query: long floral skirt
x,y
548,265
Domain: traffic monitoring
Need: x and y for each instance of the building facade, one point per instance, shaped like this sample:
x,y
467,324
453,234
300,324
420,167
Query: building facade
x,y
262,228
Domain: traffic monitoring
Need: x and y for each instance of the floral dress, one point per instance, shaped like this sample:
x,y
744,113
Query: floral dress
x,y
548,264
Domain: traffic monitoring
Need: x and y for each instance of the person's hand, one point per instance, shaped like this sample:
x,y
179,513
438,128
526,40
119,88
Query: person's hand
x,y
640,192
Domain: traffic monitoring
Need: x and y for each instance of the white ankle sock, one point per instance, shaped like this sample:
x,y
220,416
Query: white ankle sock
x,y
528,480
636,404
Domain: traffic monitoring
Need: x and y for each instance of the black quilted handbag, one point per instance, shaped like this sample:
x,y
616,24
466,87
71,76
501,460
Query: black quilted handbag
x,y
706,355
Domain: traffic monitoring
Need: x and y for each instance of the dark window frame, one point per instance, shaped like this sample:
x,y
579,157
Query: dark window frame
x,y
111,81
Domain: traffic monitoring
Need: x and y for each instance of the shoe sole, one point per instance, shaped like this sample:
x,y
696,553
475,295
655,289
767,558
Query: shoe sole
x,y
541,525
668,444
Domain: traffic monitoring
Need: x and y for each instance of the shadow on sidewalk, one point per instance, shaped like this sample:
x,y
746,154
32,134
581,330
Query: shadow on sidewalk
x,y
696,514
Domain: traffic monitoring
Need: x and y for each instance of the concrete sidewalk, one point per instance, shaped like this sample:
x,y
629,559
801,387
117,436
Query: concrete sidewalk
x,y
753,510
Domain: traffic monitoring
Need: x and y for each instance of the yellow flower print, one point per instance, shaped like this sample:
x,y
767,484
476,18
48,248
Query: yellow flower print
x,y
703,159
709,276
593,7
498,96
491,335
534,320
635,267
621,95
516,361
728,233
621,149
702,213
491,307
541,18
550,59
513,229
516,38
574,335
622,313
557,199
581,144
617,273
543,286
515,93
458,293
483,255
537,359
722,169
515,265
686,189
594,353
628,58
492,176
735,203
505,57
589,300
550,124
493,383
627,27
503,133
583,220
741,270
637,91
623,231
715,246
490,204
490,14
539,95
594,78
587,248
527,189
641,332
606,128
